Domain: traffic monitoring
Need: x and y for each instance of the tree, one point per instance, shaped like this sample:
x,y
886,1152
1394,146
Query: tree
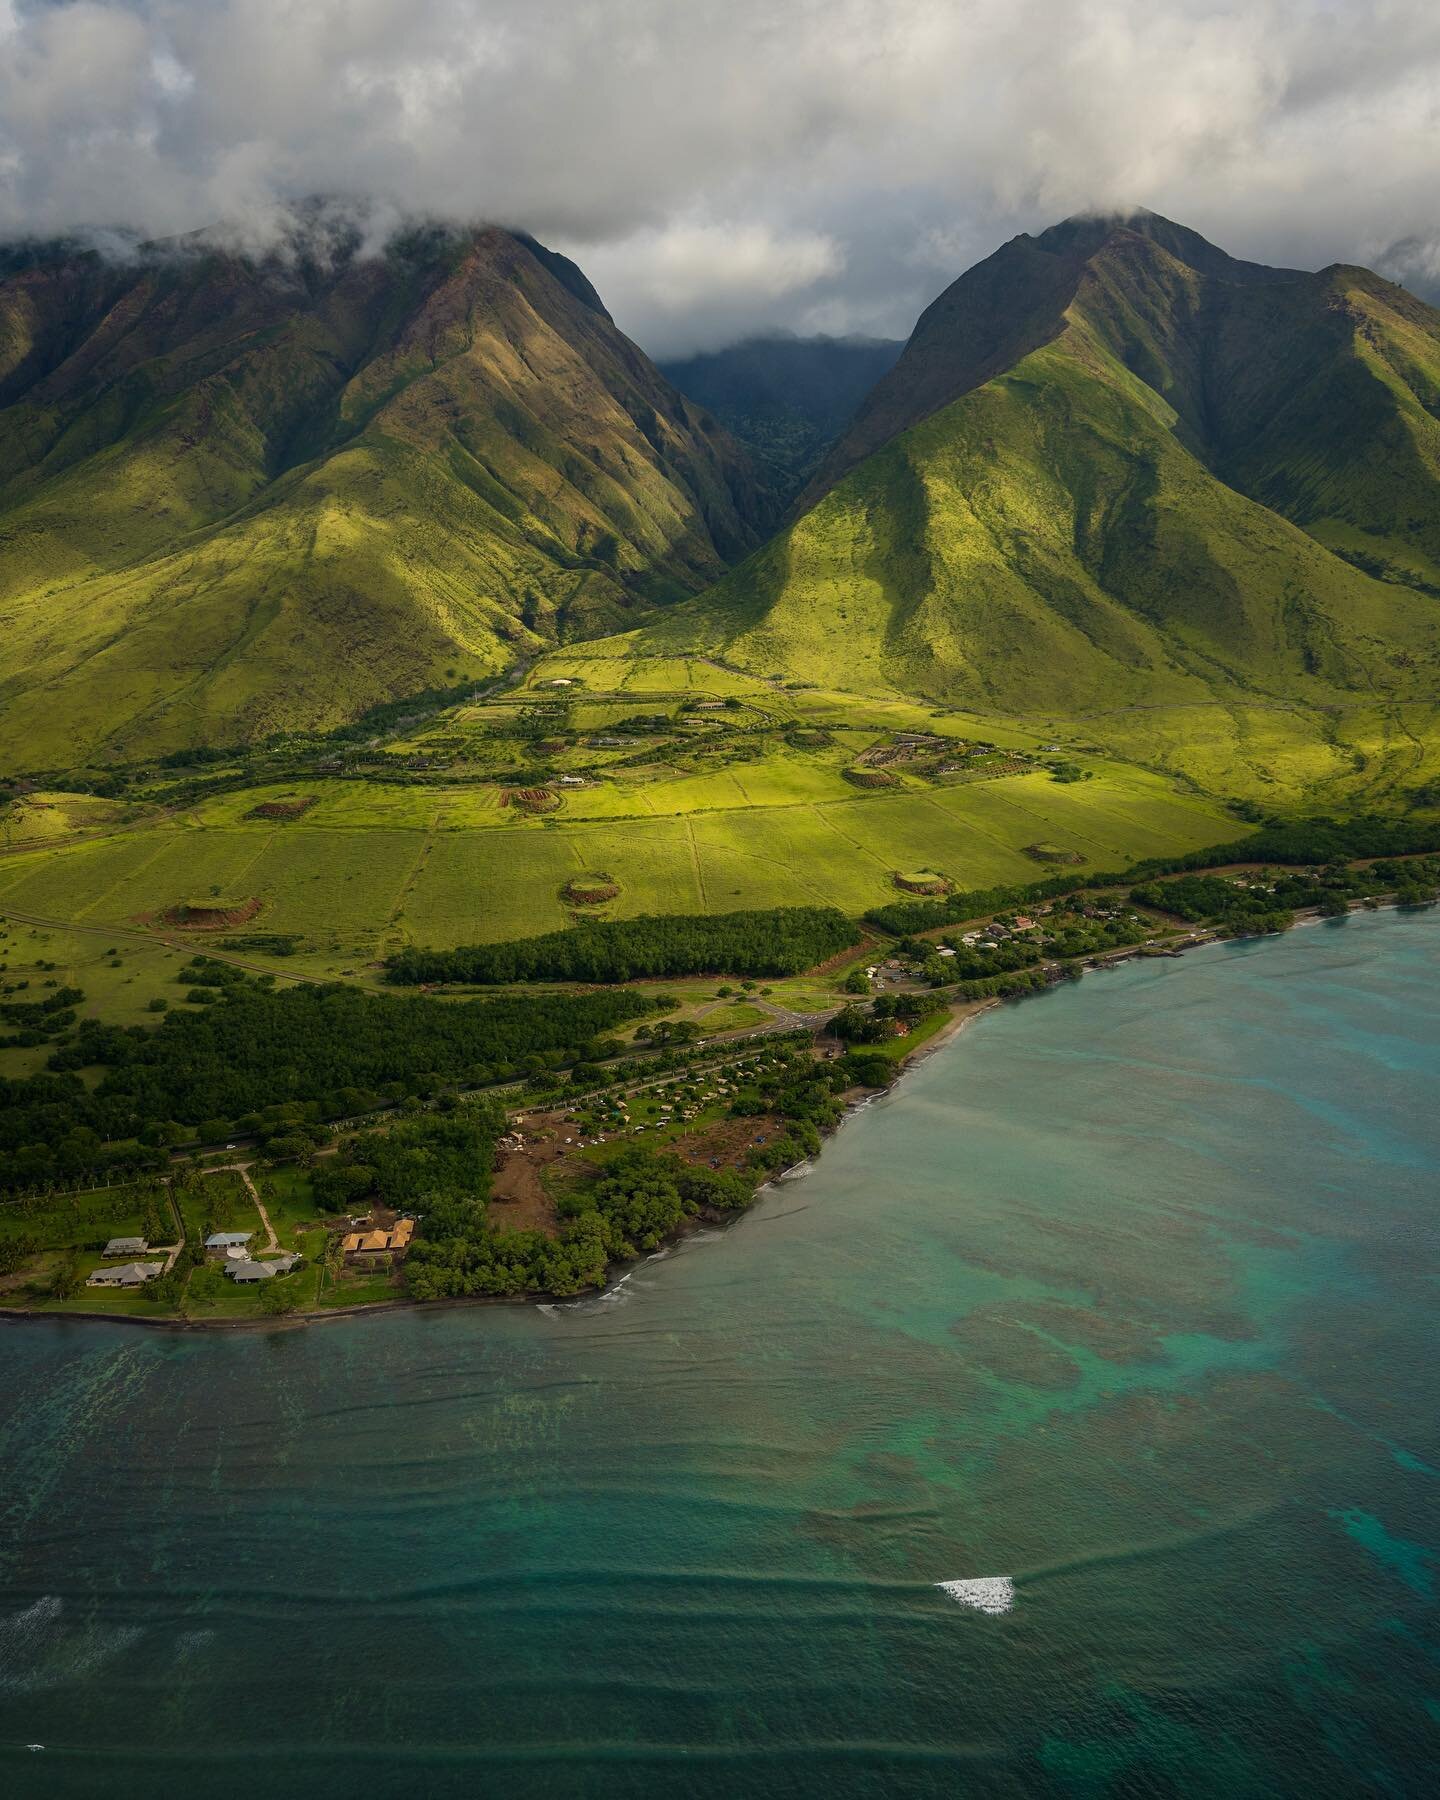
x,y
66,1280
277,1298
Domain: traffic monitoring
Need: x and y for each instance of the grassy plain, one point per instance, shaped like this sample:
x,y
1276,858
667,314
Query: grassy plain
x,y
756,814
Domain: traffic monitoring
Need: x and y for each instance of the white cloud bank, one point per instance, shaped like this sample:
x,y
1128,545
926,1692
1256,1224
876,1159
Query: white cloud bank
x,y
724,165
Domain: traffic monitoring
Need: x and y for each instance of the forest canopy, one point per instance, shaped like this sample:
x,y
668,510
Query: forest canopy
x,y
782,941
253,1047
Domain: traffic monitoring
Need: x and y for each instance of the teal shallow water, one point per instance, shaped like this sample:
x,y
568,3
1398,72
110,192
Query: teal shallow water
x,y
1128,1294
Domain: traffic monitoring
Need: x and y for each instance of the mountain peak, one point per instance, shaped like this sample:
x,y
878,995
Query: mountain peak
x,y
1017,300
1086,234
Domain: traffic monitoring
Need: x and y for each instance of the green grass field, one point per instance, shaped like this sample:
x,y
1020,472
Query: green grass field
x,y
371,866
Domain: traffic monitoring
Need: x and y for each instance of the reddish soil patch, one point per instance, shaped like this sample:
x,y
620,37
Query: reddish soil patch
x,y
911,885
838,961
194,915
870,778
517,1191
533,800
590,893
282,809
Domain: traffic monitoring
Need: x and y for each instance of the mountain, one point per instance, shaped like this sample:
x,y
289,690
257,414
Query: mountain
x,y
239,495
1116,469
788,398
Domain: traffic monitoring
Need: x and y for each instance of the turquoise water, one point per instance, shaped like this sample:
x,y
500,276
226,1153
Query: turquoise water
x,y
1128,1294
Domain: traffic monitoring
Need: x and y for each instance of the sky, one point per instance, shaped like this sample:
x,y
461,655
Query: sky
x,y
722,167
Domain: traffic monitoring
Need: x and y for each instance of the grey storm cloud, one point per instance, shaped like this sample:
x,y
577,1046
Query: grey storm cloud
x,y
724,166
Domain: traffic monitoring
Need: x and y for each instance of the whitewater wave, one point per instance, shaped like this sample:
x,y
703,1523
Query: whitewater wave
x,y
992,1594
611,1296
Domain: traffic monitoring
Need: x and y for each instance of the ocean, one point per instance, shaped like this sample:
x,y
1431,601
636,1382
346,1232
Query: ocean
x,y
1118,1315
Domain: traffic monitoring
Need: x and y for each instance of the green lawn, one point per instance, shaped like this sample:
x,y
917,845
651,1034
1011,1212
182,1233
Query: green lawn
x,y
733,1017
78,1221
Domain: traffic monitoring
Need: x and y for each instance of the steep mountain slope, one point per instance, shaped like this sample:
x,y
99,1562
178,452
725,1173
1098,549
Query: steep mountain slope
x,y
1122,467
238,496
789,398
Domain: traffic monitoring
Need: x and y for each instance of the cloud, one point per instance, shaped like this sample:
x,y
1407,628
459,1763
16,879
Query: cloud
x,y
724,165
707,282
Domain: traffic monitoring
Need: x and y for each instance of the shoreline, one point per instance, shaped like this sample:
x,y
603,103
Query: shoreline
x,y
962,1015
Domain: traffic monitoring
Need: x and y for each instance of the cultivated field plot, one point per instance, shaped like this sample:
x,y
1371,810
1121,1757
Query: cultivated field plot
x,y
351,889
42,818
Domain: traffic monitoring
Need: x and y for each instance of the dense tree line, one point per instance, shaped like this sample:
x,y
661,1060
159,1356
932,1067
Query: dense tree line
x,y
907,916
779,942
330,1049
1270,904
402,1166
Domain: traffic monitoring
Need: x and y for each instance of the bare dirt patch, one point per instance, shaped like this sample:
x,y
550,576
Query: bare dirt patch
x,y
590,890
211,915
532,800
923,881
282,809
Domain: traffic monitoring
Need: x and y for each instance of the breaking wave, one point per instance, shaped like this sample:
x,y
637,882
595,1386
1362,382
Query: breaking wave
x,y
982,1593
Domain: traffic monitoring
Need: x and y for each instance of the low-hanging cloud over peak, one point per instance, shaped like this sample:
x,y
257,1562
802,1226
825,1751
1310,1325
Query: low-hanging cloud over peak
x,y
725,167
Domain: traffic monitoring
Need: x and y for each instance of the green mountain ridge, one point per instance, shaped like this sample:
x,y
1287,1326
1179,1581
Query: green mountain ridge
x,y
240,495
1117,476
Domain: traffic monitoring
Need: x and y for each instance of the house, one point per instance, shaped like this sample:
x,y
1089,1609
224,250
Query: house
x,y
1024,922
223,1240
944,950
126,1275
362,1243
572,781
246,1271
377,1240
126,1247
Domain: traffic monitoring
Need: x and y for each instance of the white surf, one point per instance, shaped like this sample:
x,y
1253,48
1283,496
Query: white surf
x,y
982,1593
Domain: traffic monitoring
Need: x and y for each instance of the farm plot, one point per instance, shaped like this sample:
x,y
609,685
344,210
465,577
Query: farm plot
x,y
337,887
1113,820
910,831
784,857
477,887
483,887
76,882
188,866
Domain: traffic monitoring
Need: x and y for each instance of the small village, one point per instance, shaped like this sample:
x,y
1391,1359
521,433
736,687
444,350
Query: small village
x,y
248,1241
